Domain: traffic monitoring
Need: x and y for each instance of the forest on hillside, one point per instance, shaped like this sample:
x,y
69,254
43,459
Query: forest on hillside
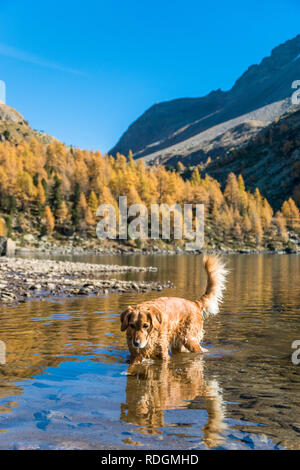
x,y
55,190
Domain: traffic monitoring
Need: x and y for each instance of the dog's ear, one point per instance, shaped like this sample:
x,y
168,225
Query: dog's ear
x,y
155,317
125,318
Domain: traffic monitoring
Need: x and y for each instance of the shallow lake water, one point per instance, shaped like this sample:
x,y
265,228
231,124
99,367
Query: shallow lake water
x,y
66,383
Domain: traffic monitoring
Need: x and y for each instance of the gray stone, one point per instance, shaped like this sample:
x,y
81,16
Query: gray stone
x,y
10,248
28,238
7,247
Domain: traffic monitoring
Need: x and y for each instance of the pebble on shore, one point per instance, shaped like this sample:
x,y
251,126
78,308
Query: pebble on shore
x,y
23,279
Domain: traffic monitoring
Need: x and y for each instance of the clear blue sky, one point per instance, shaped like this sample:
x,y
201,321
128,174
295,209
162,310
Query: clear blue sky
x,y
84,70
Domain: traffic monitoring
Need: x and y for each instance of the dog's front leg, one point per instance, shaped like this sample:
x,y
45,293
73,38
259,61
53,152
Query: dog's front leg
x,y
163,351
136,358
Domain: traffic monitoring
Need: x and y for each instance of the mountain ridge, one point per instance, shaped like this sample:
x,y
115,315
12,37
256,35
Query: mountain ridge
x,y
170,122
15,128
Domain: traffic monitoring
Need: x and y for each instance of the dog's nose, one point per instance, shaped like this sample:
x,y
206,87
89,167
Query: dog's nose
x,y
136,343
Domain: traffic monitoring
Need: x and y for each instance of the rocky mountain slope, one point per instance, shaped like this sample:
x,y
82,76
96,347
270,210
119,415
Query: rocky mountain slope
x,y
179,128
269,161
221,138
15,128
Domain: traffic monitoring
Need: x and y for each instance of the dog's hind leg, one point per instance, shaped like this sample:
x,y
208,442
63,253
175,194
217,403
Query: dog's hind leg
x,y
192,345
191,340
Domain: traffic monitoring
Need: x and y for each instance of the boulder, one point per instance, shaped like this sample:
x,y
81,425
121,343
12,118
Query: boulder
x,y
28,238
7,247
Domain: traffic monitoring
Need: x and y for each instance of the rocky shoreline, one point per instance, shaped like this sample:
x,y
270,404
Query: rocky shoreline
x,y
56,251
28,279
30,244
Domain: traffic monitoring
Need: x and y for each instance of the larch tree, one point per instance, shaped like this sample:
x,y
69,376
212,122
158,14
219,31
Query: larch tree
x,y
3,227
93,202
62,213
49,220
291,213
232,191
246,224
82,206
41,197
280,223
196,178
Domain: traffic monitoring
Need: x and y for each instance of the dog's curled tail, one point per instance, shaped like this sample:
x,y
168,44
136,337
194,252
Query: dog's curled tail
x,y
216,279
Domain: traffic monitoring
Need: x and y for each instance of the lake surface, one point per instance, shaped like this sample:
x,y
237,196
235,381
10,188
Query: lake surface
x,y
66,383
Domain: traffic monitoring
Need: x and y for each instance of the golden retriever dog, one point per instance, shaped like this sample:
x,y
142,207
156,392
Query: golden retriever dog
x,y
155,326
180,384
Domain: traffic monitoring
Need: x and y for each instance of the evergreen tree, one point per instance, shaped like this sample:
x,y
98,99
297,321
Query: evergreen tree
x,y
55,199
75,202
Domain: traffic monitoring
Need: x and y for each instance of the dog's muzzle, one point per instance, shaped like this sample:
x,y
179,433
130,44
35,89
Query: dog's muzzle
x,y
137,344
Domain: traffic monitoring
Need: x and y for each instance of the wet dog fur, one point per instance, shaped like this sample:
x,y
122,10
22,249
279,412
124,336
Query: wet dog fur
x,y
170,323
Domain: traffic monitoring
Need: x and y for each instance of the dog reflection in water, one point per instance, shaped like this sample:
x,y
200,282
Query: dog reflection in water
x,y
153,388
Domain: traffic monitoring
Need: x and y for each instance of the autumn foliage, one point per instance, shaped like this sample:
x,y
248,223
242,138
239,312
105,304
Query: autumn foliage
x,y
60,188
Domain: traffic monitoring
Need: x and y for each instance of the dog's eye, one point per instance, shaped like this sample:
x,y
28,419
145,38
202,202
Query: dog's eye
x,y
145,325
132,325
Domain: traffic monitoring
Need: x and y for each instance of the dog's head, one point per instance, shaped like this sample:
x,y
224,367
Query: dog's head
x,y
139,323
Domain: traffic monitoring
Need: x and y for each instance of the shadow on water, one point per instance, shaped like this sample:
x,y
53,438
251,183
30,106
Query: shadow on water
x,y
66,382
